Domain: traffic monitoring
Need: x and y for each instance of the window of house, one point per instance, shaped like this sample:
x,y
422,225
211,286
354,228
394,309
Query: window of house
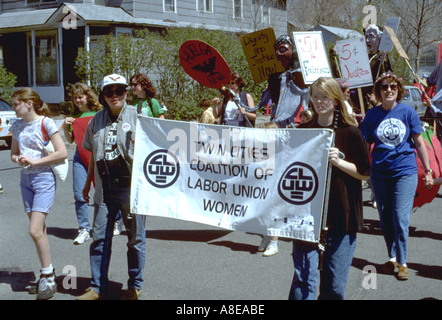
x,y
237,8
205,5
46,56
169,5
31,2
265,13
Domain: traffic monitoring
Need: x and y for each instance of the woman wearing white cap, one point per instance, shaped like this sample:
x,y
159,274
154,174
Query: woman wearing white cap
x,y
110,138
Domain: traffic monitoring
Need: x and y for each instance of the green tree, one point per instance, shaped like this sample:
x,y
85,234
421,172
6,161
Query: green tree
x,y
7,83
156,54
123,55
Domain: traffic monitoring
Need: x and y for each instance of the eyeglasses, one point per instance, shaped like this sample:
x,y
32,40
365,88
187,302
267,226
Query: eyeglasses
x,y
109,93
133,84
385,87
325,99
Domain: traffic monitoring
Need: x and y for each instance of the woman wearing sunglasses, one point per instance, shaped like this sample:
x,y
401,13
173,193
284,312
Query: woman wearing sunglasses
x,y
110,137
395,130
228,111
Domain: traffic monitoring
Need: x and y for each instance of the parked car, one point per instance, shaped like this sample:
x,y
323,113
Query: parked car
x,y
7,117
413,97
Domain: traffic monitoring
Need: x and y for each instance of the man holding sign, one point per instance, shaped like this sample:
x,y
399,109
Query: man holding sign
x,y
287,89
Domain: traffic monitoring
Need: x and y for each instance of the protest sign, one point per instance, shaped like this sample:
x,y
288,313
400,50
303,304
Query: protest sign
x,y
386,43
396,42
354,63
260,54
265,181
204,64
312,56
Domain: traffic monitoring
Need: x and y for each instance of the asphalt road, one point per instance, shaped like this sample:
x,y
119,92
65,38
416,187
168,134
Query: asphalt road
x,y
191,261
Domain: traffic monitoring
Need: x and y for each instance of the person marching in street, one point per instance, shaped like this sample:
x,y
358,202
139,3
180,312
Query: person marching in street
x,y
344,215
207,116
269,244
395,130
287,90
37,181
110,137
305,116
145,93
345,87
227,109
85,104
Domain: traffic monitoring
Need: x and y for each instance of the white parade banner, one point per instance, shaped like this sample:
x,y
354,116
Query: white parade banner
x,y
312,56
354,62
264,181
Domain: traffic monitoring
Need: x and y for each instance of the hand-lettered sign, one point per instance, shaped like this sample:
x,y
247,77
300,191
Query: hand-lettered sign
x,y
260,54
386,42
204,64
312,55
353,59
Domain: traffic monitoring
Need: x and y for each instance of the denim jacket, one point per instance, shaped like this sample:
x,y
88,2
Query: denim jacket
x,y
95,135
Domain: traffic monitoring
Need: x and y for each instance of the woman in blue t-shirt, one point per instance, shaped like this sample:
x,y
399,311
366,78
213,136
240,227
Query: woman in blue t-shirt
x,y
394,129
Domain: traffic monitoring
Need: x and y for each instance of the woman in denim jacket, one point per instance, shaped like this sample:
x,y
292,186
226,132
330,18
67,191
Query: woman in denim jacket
x,y
110,138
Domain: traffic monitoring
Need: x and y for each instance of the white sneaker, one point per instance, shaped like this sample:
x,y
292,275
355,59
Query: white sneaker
x,y
83,236
270,251
373,201
1,189
118,227
264,243
46,286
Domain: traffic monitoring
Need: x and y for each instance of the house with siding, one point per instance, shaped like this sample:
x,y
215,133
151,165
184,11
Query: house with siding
x,y
39,39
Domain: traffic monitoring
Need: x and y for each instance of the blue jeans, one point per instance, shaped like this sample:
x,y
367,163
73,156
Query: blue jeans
x,y
116,200
79,173
336,264
395,197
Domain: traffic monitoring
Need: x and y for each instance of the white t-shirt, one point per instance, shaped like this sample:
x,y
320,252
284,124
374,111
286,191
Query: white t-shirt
x,y
232,115
30,140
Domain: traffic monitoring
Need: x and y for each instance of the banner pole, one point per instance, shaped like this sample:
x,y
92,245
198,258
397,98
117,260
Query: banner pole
x,y
361,101
323,236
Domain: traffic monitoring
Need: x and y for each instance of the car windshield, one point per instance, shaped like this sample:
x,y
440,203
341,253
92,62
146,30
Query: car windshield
x,y
4,106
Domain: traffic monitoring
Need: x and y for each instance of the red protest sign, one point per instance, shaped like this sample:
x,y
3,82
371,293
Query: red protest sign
x,y
204,64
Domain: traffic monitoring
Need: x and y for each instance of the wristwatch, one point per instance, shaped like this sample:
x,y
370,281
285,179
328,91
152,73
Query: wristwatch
x,y
429,170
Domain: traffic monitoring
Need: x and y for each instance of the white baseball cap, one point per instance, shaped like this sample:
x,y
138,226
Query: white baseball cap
x,y
114,79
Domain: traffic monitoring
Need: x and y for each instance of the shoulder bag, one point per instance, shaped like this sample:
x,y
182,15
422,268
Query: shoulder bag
x,y
61,168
